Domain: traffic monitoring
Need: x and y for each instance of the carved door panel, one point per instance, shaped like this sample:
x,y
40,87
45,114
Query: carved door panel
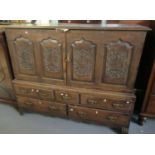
x,y
22,51
103,59
51,56
81,58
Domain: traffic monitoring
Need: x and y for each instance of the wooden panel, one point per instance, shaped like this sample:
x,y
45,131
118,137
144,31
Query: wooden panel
x,y
118,58
56,109
22,51
50,47
98,116
67,97
83,60
25,55
51,51
108,102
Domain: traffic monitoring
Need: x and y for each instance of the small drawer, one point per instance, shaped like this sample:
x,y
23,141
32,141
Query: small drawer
x,y
109,103
34,92
52,108
98,116
67,97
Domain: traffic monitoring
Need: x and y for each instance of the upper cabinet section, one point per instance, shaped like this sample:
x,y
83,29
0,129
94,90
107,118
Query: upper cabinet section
x,y
91,58
103,59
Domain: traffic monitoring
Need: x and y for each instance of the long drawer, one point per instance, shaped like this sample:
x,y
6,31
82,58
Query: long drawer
x,y
98,116
122,104
34,92
57,109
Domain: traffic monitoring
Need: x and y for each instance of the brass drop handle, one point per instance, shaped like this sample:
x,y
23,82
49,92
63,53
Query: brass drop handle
x,y
32,90
117,105
65,96
92,101
112,118
52,108
82,113
29,103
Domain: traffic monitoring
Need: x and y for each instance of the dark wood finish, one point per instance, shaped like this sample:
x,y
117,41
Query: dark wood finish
x,y
111,62
56,109
98,116
86,72
6,89
109,102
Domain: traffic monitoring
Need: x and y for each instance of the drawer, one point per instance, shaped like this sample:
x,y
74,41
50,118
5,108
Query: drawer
x,y
67,97
98,116
42,106
107,102
40,93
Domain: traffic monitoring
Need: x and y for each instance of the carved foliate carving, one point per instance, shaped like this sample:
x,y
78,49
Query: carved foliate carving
x,y
25,56
52,55
83,55
117,62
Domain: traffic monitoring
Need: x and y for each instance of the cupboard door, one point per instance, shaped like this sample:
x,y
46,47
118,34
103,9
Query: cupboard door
x,y
106,60
51,56
22,51
81,60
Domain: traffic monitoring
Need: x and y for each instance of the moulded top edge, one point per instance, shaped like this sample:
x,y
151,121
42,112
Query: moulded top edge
x,y
120,27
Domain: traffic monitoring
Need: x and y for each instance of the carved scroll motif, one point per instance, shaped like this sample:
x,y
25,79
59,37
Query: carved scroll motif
x,y
52,55
83,55
117,62
25,56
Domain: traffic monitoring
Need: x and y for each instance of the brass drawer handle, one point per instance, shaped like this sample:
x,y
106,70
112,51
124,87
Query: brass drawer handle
x,y
117,105
91,102
82,113
29,103
53,108
112,118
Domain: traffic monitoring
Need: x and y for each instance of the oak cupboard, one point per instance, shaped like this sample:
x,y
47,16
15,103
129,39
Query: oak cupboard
x,y
82,72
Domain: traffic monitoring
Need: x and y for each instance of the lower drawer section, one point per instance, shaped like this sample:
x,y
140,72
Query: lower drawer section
x,y
98,116
57,109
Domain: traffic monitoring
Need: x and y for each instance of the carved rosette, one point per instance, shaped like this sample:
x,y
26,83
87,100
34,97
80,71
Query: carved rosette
x,y
83,59
25,55
117,62
52,55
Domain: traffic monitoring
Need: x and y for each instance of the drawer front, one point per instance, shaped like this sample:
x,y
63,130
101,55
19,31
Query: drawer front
x,y
40,93
67,97
110,103
98,116
42,106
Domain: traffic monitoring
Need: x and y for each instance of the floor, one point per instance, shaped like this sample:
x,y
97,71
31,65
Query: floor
x,y
30,123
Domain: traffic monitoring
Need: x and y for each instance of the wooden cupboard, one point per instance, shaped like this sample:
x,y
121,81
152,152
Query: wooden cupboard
x,y
89,70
